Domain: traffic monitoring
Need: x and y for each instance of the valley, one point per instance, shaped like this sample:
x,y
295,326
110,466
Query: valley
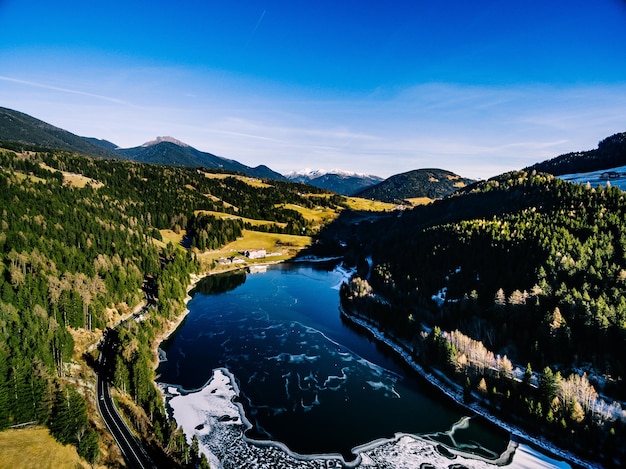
x,y
313,235
526,269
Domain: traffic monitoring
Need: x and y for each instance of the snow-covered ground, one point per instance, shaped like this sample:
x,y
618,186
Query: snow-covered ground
x,y
345,275
529,457
219,422
615,176
212,414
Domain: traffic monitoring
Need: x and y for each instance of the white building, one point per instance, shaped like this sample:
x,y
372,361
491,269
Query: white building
x,y
255,253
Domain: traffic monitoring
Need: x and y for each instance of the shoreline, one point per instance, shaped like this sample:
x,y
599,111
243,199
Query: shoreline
x,y
213,414
457,396
172,325
364,453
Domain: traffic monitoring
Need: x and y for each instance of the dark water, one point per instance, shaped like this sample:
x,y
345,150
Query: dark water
x,y
307,379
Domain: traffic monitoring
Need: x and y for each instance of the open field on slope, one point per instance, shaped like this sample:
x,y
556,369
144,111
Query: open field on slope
x,y
34,447
357,203
226,204
78,180
315,215
419,201
254,182
252,221
170,236
268,241
73,179
279,247
21,177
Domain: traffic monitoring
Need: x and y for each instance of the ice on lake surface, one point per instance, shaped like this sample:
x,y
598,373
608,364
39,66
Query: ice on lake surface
x,y
306,385
212,415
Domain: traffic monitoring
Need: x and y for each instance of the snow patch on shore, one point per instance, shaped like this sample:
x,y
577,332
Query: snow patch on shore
x,y
345,275
219,423
206,411
538,459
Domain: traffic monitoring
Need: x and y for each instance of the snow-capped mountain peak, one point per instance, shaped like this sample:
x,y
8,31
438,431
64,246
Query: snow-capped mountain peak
x,y
315,173
336,180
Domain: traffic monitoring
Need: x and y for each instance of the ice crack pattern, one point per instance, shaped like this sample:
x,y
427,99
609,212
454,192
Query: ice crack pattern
x,y
310,392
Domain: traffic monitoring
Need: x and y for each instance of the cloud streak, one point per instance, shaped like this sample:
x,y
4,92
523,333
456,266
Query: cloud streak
x,y
476,131
258,23
61,89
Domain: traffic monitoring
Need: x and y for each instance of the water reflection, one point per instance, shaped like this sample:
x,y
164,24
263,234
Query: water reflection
x,y
304,378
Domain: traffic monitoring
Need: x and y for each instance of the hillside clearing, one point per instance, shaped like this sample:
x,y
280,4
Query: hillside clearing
x,y
317,215
21,177
254,182
357,203
73,179
252,221
279,247
35,447
226,204
420,200
169,236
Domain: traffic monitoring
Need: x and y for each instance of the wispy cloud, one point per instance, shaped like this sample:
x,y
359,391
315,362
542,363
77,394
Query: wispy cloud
x,y
258,23
61,89
256,26
476,131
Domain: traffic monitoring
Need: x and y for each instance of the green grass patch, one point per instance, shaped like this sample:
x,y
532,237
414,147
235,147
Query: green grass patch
x,y
170,236
217,199
73,179
278,246
268,241
22,177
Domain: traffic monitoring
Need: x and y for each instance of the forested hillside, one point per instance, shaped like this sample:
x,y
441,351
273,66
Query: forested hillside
x,y
79,239
527,269
20,131
23,129
611,153
431,183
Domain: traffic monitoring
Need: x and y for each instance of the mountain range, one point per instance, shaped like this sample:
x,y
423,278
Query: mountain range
x,y
22,129
19,130
336,180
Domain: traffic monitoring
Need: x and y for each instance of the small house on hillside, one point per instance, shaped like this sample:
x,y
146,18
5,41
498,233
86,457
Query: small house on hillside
x,y
255,253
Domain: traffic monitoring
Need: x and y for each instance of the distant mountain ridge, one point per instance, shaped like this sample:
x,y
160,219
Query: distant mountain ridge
x,y
315,173
336,180
168,150
19,128
431,182
102,143
611,153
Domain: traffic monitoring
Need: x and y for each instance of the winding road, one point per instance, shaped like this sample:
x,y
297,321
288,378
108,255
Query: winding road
x,y
131,448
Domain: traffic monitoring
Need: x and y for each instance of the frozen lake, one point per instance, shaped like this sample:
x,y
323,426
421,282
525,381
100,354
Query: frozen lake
x,y
307,386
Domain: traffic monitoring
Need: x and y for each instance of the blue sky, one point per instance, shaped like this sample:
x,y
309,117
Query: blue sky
x,y
377,87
